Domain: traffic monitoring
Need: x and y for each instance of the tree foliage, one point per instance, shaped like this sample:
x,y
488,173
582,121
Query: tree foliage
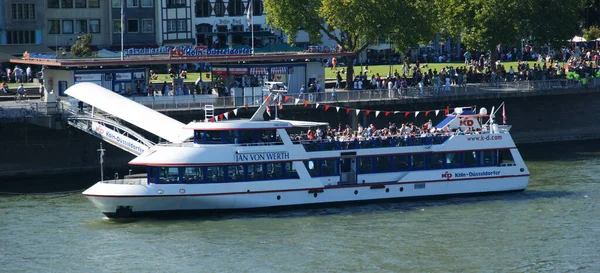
x,y
81,48
483,24
354,24
592,33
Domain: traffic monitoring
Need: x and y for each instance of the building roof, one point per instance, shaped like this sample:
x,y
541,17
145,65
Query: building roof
x,y
166,59
8,52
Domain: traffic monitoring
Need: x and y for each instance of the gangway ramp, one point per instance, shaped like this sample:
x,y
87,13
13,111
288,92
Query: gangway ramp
x,y
134,113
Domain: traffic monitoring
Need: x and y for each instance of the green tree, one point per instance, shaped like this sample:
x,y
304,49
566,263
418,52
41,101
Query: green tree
x,y
592,33
81,48
354,24
484,24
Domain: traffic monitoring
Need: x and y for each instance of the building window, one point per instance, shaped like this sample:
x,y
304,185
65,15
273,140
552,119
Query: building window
x,y
54,26
172,26
257,7
80,4
181,25
23,12
133,3
94,3
204,28
133,26
80,26
116,3
176,3
235,8
20,37
219,8
202,8
66,4
257,27
94,25
53,4
147,3
67,27
237,28
147,25
116,26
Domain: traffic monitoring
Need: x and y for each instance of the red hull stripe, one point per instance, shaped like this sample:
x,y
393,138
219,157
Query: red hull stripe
x,y
308,189
298,159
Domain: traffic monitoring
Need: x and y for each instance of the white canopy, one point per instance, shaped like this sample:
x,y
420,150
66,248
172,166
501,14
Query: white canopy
x,y
577,39
130,111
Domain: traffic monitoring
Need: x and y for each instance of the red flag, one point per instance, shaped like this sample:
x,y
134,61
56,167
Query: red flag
x,y
280,104
447,111
387,113
212,120
426,112
221,117
503,114
305,103
406,114
267,98
246,106
286,98
367,112
269,110
326,107
347,111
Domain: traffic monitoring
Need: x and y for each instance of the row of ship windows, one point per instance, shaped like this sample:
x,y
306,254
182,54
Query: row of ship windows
x,y
237,137
223,173
404,162
328,145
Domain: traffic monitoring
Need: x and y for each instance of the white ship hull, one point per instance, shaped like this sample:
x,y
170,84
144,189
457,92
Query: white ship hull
x,y
176,199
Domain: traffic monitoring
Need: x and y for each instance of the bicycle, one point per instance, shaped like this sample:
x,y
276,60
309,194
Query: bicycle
x,y
21,97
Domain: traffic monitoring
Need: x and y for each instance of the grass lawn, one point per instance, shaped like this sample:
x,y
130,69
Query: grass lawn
x,y
14,86
384,69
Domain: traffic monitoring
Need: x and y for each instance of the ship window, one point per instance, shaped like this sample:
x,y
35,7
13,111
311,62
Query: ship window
x,y
418,162
365,164
168,175
235,173
470,159
267,135
290,171
505,158
231,137
199,137
213,136
255,172
436,161
193,175
489,158
151,172
383,164
328,167
400,162
246,136
274,170
311,166
453,160
215,174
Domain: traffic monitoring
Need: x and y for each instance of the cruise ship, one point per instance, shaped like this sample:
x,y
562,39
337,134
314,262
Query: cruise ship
x,y
259,164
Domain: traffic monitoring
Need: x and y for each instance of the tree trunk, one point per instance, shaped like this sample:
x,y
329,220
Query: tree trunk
x,y
349,72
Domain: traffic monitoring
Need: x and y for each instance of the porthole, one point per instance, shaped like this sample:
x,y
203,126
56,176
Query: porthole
x,y
160,191
355,192
182,191
315,195
401,189
278,197
387,190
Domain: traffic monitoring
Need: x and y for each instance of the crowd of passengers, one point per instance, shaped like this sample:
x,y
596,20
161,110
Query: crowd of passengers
x,y
370,132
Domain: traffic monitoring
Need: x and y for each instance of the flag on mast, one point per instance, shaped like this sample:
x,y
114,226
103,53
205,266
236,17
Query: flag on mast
x,y
503,114
249,13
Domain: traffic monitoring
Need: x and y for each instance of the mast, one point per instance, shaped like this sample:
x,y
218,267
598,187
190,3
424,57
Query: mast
x,y
101,150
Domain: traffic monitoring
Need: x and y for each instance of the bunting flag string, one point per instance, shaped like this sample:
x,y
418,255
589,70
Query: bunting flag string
x,y
377,113
326,107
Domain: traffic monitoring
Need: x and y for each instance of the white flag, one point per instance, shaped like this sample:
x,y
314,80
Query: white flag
x,y
317,105
437,112
396,112
235,111
337,109
357,111
249,13
296,101
416,113
377,113
226,114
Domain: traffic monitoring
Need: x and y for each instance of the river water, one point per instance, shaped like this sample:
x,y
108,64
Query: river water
x,y
554,226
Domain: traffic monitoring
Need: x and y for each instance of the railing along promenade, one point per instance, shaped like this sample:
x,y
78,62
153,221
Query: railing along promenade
x,y
409,94
35,107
